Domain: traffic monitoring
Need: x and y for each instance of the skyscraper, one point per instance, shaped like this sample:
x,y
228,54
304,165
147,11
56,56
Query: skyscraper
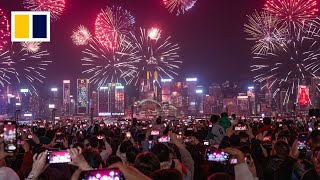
x,y
315,92
189,95
111,100
66,97
94,102
82,96
166,90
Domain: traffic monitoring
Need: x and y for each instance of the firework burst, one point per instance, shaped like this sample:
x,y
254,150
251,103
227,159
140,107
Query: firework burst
x,y
56,7
31,47
266,31
4,30
6,70
294,13
25,68
111,24
81,36
298,61
179,6
104,65
156,55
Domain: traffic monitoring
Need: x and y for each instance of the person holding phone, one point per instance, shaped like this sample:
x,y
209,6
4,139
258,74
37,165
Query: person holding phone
x,y
217,131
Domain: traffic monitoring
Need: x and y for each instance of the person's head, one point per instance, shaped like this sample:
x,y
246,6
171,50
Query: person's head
x,y
281,149
147,163
214,119
93,158
161,151
224,114
134,121
314,138
94,142
166,174
220,176
131,154
266,121
233,116
243,136
234,140
112,160
158,120
125,145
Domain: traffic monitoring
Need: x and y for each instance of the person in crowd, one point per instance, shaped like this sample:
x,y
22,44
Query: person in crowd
x,y
217,132
224,121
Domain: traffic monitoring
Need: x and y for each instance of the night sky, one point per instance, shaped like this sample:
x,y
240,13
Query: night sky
x,y
213,45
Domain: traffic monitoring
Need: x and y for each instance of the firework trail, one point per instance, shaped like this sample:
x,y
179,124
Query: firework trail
x,y
104,65
81,36
156,55
31,47
111,24
4,30
266,31
26,68
179,6
294,13
298,61
56,7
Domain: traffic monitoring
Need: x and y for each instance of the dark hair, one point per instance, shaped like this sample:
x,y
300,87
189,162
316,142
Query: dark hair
x,y
234,140
147,163
94,142
166,174
125,145
161,151
315,136
224,114
282,149
112,160
214,118
131,154
158,120
92,157
267,121
134,121
220,176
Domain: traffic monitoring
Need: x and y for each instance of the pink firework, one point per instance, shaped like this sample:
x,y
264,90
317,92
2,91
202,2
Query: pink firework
x,y
293,12
111,24
4,30
56,7
81,36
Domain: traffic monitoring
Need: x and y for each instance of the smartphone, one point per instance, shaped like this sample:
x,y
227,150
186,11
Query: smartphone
x,y
210,126
164,139
54,157
266,138
216,155
240,127
302,141
10,136
155,132
189,129
128,135
30,136
149,145
101,174
206,143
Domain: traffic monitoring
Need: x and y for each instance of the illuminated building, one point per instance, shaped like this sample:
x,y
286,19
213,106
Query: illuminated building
x,y
34,105
166,90
284,108
315,92
82,96
243,105
25,100
145,90
230,105
66,97
199,100
252,100
177,98
94,102
215,92
111,100
72,105
189,95
3,104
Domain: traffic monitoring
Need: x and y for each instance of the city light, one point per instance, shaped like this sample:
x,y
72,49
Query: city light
x,y
51,106
103,88
191,79
24,90
27,115
105,114
199,91
18,104
66,81
54,89
250,87
71,96
11,96
166,80
119,87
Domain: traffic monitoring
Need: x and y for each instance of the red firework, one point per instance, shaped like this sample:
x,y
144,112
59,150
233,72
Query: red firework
x,y
293,12
56,7
4,30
